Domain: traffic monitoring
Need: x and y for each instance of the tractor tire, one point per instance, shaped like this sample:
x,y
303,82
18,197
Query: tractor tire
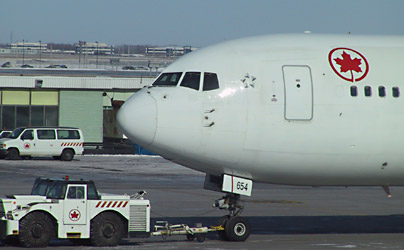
x,y
106,230
35,230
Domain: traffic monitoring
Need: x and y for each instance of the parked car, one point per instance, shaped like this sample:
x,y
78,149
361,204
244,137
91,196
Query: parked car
x,y
6,65
57,66
27,66
59,142
127,67
142,68
5,133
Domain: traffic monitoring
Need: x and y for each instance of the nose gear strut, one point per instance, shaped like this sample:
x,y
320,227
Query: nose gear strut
x,y
230,202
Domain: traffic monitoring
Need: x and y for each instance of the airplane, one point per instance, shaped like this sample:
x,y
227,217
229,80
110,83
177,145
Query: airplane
x,y
292,109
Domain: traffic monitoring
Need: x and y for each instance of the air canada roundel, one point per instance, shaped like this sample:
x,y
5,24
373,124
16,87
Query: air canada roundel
x,y
348,64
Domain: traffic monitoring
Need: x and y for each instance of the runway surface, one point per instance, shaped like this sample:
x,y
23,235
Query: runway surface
x,y
282,217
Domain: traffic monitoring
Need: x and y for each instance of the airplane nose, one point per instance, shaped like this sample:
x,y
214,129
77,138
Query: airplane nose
x,y
137,118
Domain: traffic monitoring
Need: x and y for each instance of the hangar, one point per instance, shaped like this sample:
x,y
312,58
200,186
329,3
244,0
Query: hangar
x,y
83,99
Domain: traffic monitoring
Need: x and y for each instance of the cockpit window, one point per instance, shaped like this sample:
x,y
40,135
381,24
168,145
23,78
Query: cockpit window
x,y
210,82
168,79
191,80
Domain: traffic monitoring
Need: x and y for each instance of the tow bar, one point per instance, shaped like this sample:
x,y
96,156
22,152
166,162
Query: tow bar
x,y
165,229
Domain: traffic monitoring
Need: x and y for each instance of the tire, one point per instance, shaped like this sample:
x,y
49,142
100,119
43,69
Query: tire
x,y
190,237
35,230
67,155
237,229
222,222
106,230
13,154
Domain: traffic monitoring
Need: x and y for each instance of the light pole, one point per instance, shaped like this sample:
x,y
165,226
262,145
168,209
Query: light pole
x,y
97,55
23,52
85,52
40,54
79,53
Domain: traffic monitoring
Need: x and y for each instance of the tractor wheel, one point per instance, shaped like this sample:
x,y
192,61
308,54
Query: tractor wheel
x,y
35,230
106,230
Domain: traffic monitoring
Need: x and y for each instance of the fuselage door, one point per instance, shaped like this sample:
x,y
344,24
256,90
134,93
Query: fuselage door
x,y
298,92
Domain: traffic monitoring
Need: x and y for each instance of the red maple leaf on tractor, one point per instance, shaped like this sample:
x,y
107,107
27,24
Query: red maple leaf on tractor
x,y
74,215
348,64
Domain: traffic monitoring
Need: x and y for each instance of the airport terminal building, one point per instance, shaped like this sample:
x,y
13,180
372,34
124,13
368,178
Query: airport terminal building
x,y
67,98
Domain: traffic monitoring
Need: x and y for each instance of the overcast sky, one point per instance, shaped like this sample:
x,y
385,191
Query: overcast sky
x,y
188,22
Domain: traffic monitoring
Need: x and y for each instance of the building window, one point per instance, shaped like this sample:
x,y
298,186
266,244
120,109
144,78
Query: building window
x,y
368,91
382,91
21,108
37,115
8,117
22,116
51,115
396,92
354,91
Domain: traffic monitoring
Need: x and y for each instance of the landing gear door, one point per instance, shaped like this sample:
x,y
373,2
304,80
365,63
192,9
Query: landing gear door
x,y
298,92
237,185
75,205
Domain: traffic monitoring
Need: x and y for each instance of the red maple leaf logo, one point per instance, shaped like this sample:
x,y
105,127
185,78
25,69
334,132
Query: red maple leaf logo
x,y
75,215
348,64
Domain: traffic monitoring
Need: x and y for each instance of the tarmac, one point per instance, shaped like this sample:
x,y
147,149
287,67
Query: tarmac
x,y
282,217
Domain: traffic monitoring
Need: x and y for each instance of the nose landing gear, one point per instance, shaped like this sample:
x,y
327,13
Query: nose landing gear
x,y
234,227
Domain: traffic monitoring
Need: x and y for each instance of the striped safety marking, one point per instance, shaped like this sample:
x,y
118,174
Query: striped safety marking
x,y
111,204
72,144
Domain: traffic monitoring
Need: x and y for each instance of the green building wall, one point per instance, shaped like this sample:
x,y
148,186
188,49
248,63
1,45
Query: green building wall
x,y
82,109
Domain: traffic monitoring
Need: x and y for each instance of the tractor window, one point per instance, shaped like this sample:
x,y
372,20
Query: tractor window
x,y
92,192
191,80
41,186
210,82
57,191
168,79
76,192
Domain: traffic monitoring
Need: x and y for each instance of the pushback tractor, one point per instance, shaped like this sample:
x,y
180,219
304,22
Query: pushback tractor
x,y
73,209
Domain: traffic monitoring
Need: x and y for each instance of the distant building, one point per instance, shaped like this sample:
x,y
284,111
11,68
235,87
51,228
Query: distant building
x,y
27,48
94,48
169,50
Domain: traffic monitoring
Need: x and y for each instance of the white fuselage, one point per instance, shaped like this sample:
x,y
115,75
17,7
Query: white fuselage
x,y
282,114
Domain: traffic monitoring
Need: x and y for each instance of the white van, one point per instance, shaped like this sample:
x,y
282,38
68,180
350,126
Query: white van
x,y
60,142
